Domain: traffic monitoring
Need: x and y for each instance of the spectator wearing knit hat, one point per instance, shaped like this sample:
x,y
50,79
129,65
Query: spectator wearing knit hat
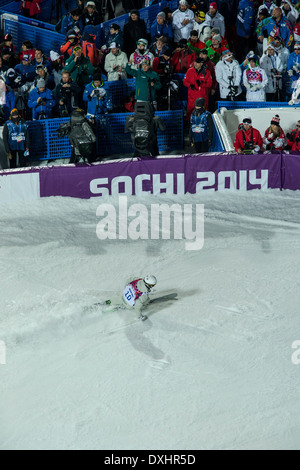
x,y
90,15
215,32
160,28
133,30
17,149
216,19
41,101
215,48
274,138
115,35
72,40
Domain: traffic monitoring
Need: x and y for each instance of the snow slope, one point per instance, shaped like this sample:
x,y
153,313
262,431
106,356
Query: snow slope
x,y
210,369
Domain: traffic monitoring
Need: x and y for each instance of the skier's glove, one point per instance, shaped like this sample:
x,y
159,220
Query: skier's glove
x,y
256,148
192,87
290,73
198,82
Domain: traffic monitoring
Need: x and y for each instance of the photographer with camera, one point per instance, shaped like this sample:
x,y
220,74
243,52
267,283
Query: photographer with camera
x,y
248,139
293,138
228,75
272,65
98,99
66,95
41,101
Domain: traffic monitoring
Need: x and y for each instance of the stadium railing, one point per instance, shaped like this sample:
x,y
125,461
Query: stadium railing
x,y
252,104
47,40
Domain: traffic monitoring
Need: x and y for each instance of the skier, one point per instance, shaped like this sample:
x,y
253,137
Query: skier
x,y
135,295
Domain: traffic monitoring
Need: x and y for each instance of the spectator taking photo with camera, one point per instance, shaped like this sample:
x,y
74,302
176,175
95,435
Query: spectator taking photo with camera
x,y
98,99
248,139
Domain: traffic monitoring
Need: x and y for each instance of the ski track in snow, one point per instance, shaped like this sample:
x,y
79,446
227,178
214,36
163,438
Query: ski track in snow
x,y
210,370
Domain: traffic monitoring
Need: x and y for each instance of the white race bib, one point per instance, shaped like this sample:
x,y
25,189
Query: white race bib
x,y
129,296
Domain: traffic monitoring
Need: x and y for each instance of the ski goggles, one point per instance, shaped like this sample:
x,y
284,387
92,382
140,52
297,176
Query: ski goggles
x,y
77,48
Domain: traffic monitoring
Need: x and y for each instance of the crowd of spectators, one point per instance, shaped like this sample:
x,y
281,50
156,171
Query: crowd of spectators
x,y
228,50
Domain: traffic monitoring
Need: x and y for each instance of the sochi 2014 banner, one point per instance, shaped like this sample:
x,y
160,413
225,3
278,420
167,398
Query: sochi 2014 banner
x,y
171,175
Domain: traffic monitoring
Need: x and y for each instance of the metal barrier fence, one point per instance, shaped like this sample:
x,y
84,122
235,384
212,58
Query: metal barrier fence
x,y
47,40
23,19
252,104
111,139
48,9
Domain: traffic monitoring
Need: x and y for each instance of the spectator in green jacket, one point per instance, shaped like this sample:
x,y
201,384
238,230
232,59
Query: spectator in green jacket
x,y
80,68
147,82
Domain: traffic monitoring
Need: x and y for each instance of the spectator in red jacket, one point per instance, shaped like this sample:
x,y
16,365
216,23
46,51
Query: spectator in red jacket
x,y
72,40
30,8
182,58
248,139
293,138
199,83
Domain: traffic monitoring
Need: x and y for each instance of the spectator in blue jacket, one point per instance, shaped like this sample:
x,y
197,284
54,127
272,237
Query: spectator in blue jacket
x,y
278,26
41,101
97,97
16,139
115,35
26,70
72,21
245,23
160,28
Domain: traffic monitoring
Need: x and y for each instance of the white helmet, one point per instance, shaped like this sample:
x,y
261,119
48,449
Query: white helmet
x,y
150,280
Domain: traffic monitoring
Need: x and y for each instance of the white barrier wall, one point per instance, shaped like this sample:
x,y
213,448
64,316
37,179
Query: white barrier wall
x,y
229,120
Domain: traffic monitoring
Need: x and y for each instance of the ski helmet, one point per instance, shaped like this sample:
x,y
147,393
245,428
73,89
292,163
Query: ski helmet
x,y
150,280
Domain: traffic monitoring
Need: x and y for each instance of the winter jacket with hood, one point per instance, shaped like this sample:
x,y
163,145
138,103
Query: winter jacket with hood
x,y
225,69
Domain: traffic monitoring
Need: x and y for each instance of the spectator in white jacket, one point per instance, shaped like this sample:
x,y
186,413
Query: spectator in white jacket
x,y
182,22
216,19
282,51
289,11
202,26
115,63
255,80
272,65
228,75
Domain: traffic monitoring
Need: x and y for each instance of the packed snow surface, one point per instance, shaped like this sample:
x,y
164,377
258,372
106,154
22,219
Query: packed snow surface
x,y
211,368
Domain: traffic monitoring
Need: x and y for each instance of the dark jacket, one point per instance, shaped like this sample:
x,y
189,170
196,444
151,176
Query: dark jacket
x,y
132,31
16,136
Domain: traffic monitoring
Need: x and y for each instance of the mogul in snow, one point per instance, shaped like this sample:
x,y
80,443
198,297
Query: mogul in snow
x,y
135,295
